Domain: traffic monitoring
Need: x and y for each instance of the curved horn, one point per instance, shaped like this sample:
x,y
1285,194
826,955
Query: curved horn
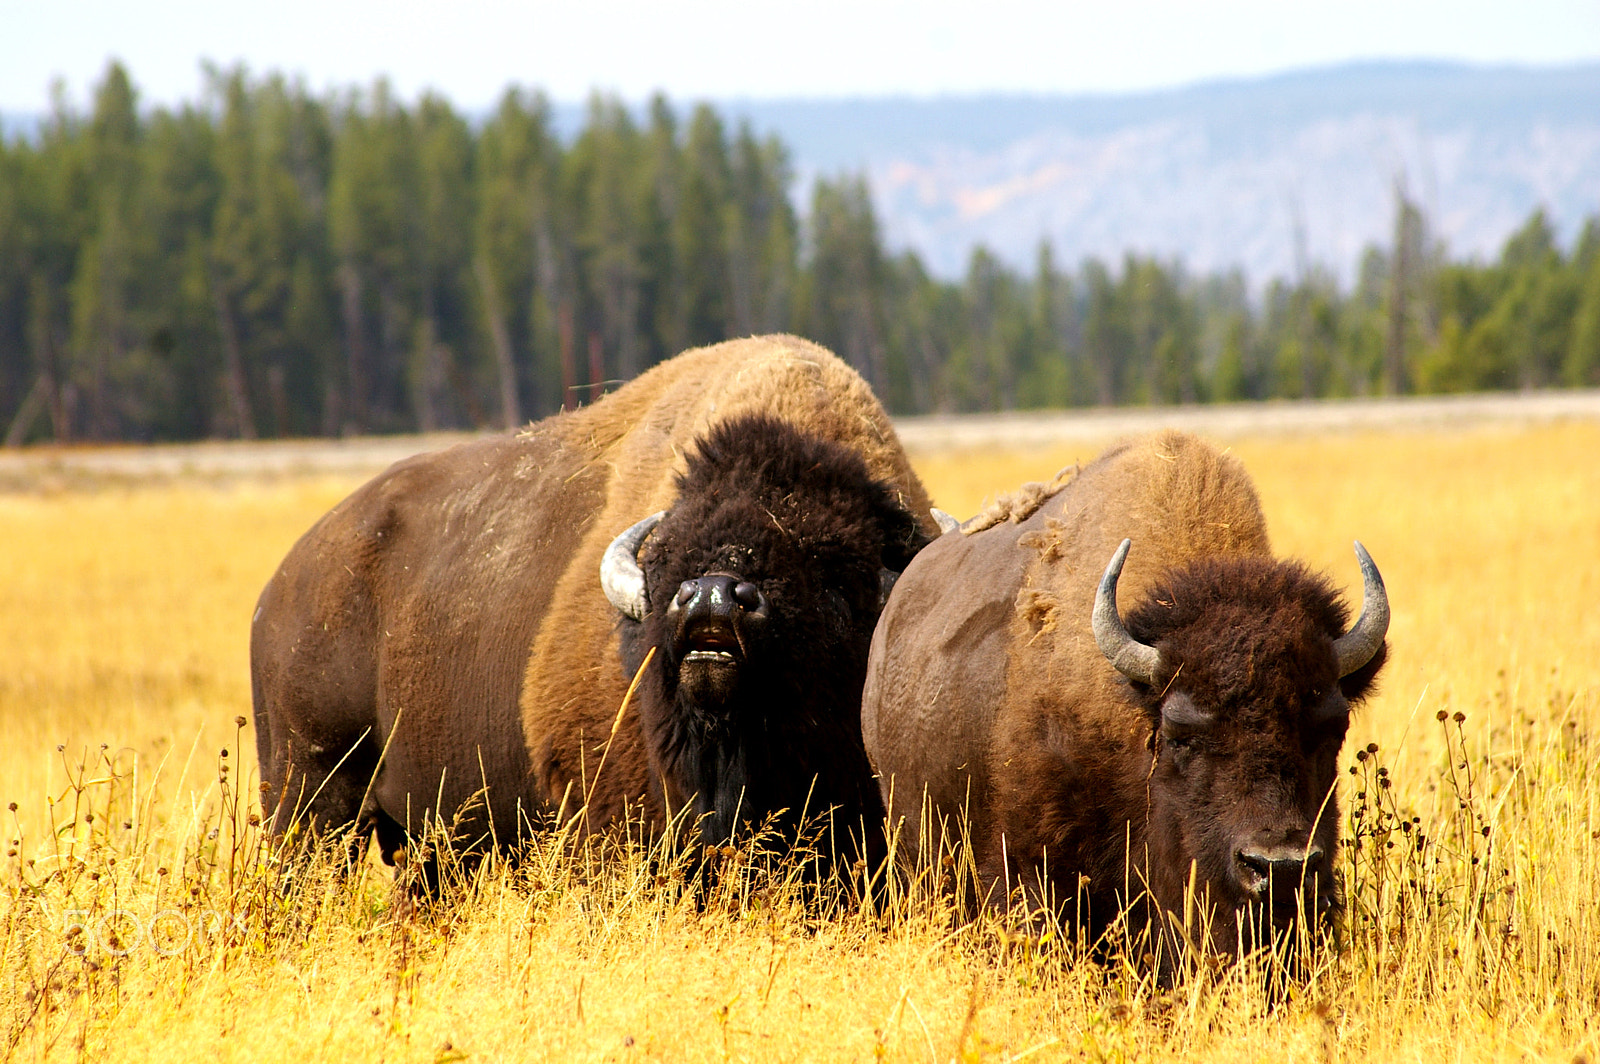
x,y
1357,646
620,576
1127,655
947,522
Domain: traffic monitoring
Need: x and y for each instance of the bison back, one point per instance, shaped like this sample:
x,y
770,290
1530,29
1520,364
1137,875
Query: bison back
x,y
402,620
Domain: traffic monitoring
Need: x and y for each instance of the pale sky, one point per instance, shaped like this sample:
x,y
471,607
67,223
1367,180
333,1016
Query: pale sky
x,y
470,51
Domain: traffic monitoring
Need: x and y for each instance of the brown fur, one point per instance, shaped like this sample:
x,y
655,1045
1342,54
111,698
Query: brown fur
x,y
451,608
986,691
1019,505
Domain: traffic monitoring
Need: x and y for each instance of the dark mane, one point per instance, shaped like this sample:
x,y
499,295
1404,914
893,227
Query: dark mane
x,y
770,465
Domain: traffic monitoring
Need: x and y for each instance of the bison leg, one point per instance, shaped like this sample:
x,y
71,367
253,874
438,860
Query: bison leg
x,y
319,795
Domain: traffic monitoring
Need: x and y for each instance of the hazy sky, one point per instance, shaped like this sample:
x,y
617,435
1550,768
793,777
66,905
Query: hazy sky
x,y
759,48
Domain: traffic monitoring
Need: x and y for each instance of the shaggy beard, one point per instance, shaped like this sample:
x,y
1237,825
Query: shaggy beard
x,y
745,756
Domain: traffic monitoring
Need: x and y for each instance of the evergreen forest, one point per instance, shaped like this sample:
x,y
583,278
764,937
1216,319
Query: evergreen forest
x,y
269,262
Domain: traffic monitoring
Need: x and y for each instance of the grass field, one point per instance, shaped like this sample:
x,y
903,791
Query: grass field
x,y
140,914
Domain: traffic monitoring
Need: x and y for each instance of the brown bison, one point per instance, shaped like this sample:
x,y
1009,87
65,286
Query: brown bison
x,y
442,640
1106,766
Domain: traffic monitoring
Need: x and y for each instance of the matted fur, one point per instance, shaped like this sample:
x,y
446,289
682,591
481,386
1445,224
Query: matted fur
x,y
449,612
988,695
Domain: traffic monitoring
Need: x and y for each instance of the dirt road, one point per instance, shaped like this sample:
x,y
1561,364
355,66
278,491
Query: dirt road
x,y
47,467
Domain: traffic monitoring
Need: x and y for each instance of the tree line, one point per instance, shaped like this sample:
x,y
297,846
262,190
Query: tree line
x,y
270,262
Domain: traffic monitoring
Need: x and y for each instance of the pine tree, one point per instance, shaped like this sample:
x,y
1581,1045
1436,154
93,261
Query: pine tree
x,y
442,392
1581,366
516,169
843,298
608,190
699,228
104,284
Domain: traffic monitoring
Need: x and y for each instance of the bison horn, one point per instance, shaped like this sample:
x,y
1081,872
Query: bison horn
x,y
620,575
947,522
1127,655
1357,646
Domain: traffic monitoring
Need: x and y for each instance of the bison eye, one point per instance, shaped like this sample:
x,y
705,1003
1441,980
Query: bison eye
x,y
1179,747
1329,731
1329,709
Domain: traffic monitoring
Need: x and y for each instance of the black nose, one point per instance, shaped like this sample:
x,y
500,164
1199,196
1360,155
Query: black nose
x,y
718,595
1281,873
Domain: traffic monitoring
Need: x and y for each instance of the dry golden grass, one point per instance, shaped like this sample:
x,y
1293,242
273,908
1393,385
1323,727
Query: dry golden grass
x,y
124,618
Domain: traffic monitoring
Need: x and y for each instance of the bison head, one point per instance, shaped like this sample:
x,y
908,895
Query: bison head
x,y
759,589
1247,676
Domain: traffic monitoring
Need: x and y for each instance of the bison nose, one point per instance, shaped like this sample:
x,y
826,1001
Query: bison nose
x,y
1280,872
718,595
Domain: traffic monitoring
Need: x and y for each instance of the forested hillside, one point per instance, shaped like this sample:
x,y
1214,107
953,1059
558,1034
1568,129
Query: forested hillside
x,y
271,262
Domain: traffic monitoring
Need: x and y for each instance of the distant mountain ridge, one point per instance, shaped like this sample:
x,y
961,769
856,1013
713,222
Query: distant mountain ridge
x,y
1220,174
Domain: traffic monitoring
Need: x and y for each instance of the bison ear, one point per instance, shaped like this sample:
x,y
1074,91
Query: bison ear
x,y
1361,684
898,550
900,546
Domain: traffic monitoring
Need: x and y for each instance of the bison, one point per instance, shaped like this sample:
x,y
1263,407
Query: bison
x,y
1176,763
455,640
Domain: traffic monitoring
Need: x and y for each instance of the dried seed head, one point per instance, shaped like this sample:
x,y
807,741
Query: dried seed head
x,y
240,722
